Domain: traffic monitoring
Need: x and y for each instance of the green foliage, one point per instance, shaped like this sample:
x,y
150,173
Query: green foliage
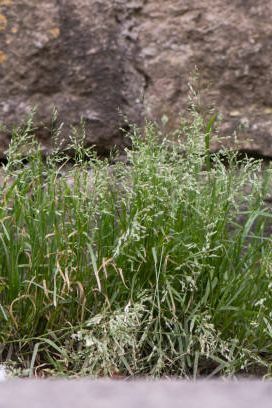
x,y
161,266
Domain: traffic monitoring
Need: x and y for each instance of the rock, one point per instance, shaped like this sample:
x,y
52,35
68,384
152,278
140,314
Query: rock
x,y
230,43
70,54
106,60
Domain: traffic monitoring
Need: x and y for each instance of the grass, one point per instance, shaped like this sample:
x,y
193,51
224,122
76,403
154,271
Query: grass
x,y
161,266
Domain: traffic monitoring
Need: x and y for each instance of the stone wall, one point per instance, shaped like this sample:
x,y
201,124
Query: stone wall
x,y
104,60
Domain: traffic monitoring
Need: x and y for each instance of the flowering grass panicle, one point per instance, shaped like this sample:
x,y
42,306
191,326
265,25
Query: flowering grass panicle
x,y
160,266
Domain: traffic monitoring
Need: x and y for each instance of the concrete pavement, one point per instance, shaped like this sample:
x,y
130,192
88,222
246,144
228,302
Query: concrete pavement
x,y
131,394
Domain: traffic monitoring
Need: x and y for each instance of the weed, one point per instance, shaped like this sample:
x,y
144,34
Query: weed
x,y
160,266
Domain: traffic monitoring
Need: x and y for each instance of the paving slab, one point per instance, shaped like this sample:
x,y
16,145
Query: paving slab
x,y
132,394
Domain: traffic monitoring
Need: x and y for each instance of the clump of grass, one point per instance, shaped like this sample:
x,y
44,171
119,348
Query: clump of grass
x,y
160,266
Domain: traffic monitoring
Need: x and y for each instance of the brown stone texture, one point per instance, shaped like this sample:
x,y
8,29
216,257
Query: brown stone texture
x,y
105,60
70,54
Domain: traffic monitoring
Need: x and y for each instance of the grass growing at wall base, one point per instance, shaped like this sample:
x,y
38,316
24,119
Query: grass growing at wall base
x,y
161,266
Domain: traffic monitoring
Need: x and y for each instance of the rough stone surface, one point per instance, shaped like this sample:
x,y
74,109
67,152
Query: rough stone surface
x,y
230,43
70,54
94,58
